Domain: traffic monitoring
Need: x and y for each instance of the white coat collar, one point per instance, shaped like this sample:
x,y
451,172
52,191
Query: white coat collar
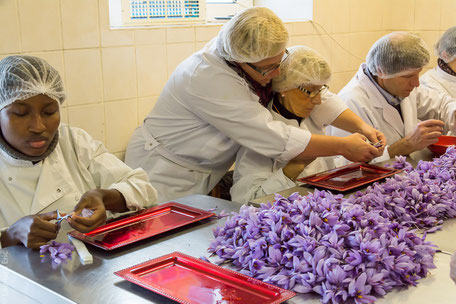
x,y
445,75
278,117
389,113
13,161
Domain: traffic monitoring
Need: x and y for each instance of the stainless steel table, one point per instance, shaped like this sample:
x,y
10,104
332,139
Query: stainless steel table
x,y
24,278
22,272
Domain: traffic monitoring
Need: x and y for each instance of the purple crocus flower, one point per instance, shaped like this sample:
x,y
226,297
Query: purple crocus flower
x,y
59,252
350,249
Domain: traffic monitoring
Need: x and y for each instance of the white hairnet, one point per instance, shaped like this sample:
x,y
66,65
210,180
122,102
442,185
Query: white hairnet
x,y
303,66
446,46
252,35
23,77
397,54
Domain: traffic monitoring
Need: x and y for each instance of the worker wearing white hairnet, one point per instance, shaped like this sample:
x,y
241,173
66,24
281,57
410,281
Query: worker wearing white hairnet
x,y
47,166
214,103
386,93
443,77
301,99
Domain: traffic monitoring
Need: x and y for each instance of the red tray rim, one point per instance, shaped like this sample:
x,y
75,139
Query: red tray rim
x,y
320,184
284,294
203,215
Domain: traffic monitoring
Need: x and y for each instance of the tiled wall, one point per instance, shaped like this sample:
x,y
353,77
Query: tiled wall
x,y
113,77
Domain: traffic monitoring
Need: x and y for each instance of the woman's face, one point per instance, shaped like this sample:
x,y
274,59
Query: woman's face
x,y
299,102
30,125
269,65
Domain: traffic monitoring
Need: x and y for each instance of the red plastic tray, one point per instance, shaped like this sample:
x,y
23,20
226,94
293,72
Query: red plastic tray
x,y
186,279
348,177
142,225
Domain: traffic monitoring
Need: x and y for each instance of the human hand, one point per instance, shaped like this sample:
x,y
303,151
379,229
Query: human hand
x,y
33,231
376,138
425,133
92,200
357,149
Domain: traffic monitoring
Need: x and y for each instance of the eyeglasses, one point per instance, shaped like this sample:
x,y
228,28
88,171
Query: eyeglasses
x,y
271,69
321,90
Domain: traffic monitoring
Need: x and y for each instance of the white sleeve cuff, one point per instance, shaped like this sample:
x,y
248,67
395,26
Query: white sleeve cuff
x,y
297,142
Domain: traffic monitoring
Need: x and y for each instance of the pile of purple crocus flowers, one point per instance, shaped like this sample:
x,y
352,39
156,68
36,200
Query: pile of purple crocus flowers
x,y
344,249
421,198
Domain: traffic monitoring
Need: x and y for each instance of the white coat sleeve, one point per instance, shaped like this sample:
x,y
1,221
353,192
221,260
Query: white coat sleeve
x,y
427,80
432,104
109,172
330,108
254,176
234,110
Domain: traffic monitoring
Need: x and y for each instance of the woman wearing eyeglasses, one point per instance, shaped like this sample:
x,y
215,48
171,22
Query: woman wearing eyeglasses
x,y
214,103
301,99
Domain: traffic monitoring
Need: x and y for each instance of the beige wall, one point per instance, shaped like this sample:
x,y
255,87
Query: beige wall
x,y
113,77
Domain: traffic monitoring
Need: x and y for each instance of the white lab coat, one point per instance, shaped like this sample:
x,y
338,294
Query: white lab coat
x,y
256,175
439,80
205,112
363,98
78,164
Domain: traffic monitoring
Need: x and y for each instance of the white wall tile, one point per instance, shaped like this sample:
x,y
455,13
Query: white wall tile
x,y
305,28
151,69
340,80
322,15
150,36
40,31
430,38
176,53
289,27
427,15
402,15
360,44
341,59
83,76
200,45
180,34
115,37
145,105
91,118
80,24
365,16
119,73
9,28
64,115
121,121
448,9
333,15
206,33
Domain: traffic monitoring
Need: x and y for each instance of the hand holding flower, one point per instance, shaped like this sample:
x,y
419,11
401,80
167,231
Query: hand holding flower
x,y
33,231
92,200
